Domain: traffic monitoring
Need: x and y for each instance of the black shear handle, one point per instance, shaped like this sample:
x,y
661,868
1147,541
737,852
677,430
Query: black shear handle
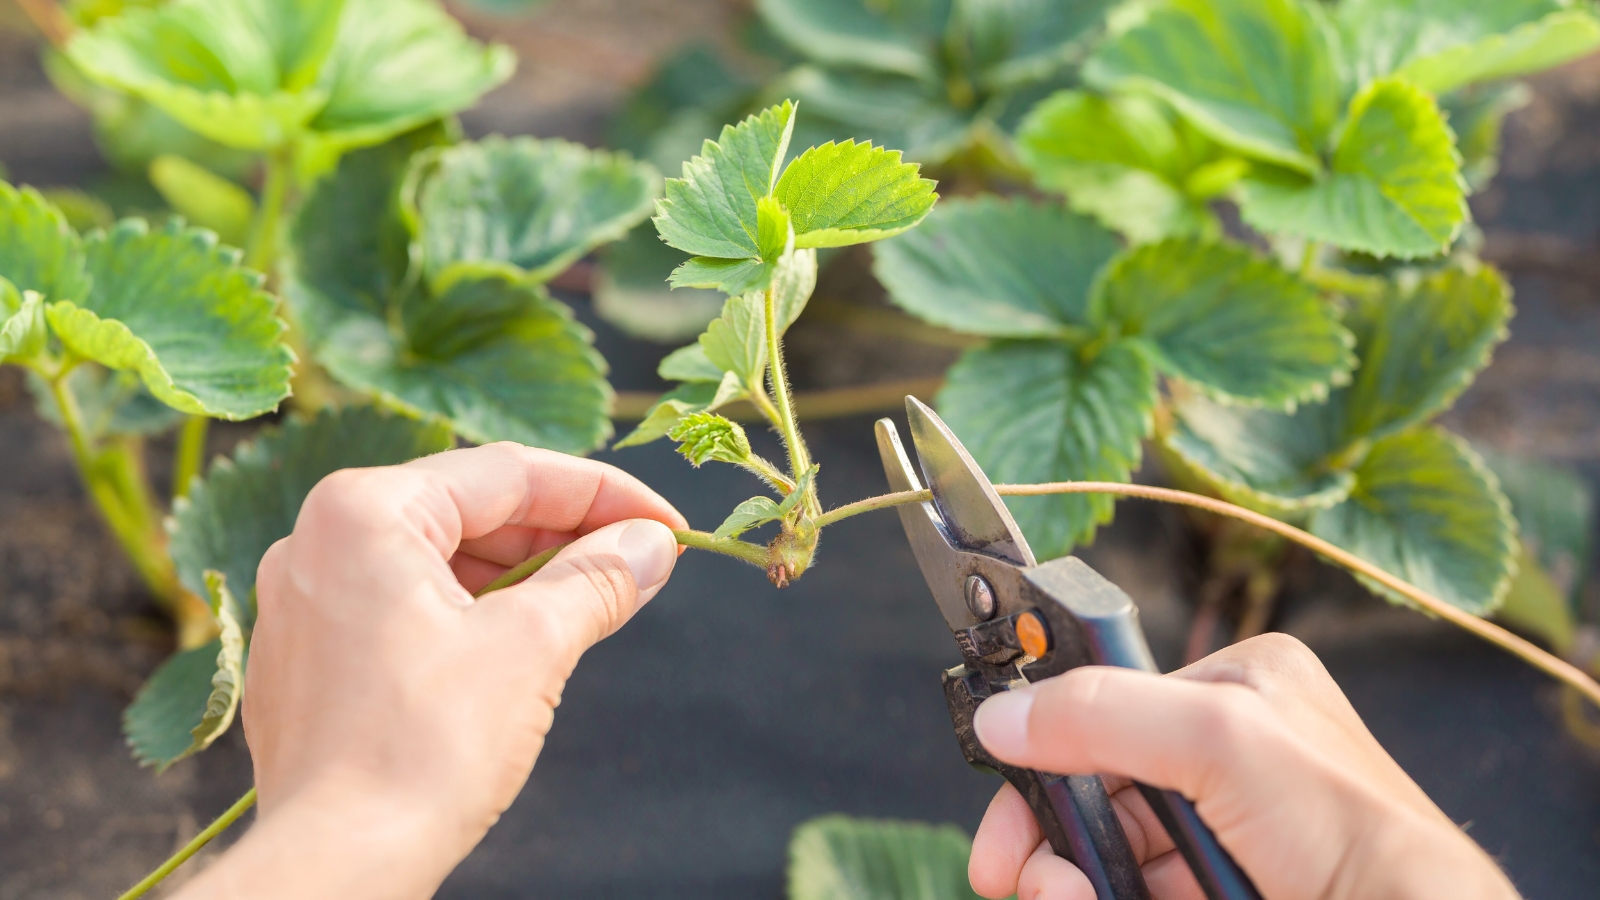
x,y
1117,640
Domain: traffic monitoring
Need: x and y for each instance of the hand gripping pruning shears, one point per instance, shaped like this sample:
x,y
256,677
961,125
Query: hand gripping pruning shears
x,y
1018,622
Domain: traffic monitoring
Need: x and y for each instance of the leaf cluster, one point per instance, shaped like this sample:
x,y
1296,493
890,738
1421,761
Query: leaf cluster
x,y
1306,394
753,227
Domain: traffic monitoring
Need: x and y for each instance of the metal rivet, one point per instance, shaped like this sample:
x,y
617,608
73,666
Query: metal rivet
x,y
980,598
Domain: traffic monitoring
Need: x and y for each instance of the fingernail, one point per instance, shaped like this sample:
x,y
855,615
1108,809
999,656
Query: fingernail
x,y
649,549
1002,723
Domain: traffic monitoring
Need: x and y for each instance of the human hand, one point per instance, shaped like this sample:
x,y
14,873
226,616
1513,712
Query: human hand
x,y
1277,761
391,717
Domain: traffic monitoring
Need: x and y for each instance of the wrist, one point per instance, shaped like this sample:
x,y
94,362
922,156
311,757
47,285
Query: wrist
x,y
1421,860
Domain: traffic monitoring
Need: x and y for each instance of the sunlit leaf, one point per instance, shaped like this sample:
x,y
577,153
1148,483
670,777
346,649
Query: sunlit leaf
x,y
159,724
179,310
840,858
242,72
711,210
1003,268
1234,324
752,513
1039,411
1420,345
109,403
849,193
1260,76
1123,160
22,328
227,684
690,364
38,250
1426,509
684,400
1394,187
1446,44
536,204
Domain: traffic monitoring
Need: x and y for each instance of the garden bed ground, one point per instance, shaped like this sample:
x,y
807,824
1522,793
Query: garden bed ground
x,y
689,745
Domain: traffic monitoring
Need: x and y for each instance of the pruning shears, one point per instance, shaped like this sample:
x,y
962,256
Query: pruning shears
x,y
1017,622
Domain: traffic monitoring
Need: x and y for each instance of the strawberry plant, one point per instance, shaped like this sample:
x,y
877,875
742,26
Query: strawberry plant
x,y
1302,382
752,226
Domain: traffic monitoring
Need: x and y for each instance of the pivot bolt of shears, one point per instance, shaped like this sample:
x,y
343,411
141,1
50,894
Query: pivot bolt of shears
x,y
980,598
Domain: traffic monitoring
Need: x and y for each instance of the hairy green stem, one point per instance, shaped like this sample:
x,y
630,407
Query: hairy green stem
x,y
870,504
754,554
799,456
262,254
190,849
191,454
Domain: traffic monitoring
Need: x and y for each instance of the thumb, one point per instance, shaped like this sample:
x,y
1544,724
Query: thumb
x,y
591,588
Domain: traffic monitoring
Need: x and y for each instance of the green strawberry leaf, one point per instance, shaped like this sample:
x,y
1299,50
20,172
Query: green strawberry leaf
x,y
712,210
1420,344
1426,509
1039,411
204,198
728,276
1443,45
841,858
256,74
1234,324
849,193
736,342
248,502
759,511
349,242
538,205
794,279
705,437
690,364
371,76
1265,460
1394,188
1122,160
1259,76
897,38
493,355
159,724
1002,268
23,334
752,513
684,400
227,685
179,310
631,291
241,72
38,250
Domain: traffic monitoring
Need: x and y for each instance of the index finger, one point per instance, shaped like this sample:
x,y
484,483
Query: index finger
x,y
497,485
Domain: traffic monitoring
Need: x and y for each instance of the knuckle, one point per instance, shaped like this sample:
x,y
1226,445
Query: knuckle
x,y
608,595
350,498
1233,716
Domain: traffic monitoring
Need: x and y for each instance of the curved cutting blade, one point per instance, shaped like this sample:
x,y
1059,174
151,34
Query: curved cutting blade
x,y
974,515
